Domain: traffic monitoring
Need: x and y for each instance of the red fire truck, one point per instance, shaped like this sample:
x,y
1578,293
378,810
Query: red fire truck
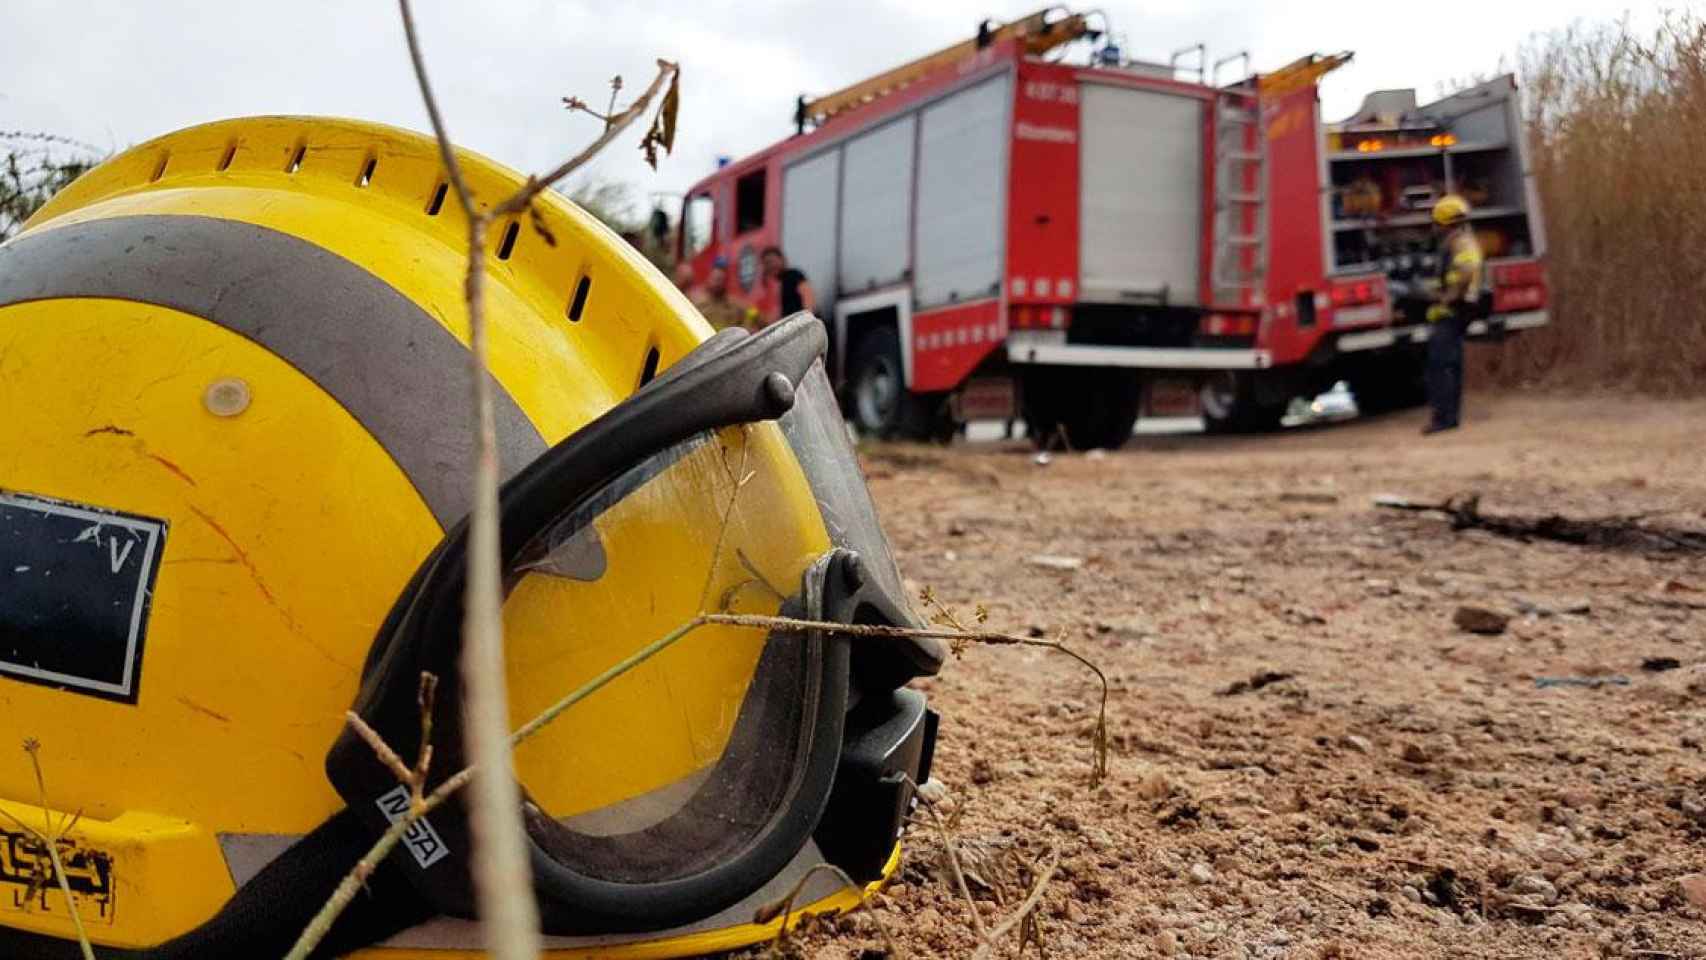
x,y
993,232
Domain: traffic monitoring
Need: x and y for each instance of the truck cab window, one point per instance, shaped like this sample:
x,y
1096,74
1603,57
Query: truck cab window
x,y
696,222
749,202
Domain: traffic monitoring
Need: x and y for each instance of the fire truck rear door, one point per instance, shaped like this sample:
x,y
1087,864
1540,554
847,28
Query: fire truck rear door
x,y
1141,195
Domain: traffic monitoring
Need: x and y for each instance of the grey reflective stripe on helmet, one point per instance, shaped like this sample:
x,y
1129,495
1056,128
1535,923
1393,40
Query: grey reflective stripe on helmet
x,y
395,368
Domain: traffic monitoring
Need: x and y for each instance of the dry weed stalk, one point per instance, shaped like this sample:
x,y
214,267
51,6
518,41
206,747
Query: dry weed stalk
x,y
48,837
784,908
1023,914
950,848
502,881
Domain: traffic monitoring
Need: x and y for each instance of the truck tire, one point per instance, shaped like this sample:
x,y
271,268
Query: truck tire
x,y
1080,408
1230,405
1389,385
879,403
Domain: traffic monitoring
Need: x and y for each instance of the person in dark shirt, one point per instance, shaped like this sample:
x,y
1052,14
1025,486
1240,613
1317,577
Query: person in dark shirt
x,y
795,293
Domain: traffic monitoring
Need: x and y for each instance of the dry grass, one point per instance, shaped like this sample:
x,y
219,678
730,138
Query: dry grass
x,y
1617,121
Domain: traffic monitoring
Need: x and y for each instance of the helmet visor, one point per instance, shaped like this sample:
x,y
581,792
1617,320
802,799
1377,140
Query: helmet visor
x,y
688,759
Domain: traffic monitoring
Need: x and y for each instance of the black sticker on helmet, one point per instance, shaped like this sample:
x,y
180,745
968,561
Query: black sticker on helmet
x,y
75,585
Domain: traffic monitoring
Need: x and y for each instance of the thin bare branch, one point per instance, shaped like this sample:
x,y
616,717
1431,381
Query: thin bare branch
x,y
50,839
951,846
992,942
614,126
425,697
381,749
784,907
1099,769
329,912
446,152
353,881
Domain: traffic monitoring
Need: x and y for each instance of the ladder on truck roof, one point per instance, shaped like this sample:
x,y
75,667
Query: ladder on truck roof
x,y
1037,33
1239,264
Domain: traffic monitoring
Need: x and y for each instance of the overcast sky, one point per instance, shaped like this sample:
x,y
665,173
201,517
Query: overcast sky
x,y
117,72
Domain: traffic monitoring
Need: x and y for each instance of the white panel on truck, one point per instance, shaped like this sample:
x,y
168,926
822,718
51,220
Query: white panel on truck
x,y
808,222
1140,155
962,195
876,207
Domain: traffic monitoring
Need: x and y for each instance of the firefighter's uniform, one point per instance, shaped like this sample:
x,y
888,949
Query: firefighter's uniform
x,y
723,313
1461,267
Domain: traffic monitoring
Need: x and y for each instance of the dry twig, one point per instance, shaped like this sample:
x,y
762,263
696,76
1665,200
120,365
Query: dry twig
x,y
501,874
950,847
784,907
49,837
992,942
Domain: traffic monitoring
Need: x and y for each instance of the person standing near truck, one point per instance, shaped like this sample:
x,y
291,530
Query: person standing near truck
x,y
1461,264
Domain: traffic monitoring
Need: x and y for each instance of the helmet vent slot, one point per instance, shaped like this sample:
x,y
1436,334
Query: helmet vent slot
x,y
367,169
229,155
649,371
507,246
160,168
577,306
437,202
295,163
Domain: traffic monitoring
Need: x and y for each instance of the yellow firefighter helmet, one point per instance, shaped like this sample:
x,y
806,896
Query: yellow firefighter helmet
x,y
233,363
1451,210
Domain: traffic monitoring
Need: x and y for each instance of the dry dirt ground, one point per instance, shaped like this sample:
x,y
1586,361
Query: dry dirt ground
x,y
1308,757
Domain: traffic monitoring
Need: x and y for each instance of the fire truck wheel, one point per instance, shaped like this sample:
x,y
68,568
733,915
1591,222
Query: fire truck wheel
x,y
1084,409
1229,405
882,406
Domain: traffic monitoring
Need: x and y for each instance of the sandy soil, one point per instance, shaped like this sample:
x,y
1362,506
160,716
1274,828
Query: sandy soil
x,y
1308,757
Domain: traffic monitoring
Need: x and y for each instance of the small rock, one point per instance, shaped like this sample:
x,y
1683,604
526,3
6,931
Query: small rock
x,y
1166,943
1202,873
1053,562
950,555
1533,885
1096,454
1383,588
933,790
982,772
1042,459
956,529
1660,664
1578,915
1359,744
1415,753
1559,851
1480,620
1411,894
1156,786
1694,889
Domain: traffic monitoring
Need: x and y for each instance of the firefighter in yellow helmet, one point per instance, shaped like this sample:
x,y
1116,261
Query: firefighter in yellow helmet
x,y
1459,295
